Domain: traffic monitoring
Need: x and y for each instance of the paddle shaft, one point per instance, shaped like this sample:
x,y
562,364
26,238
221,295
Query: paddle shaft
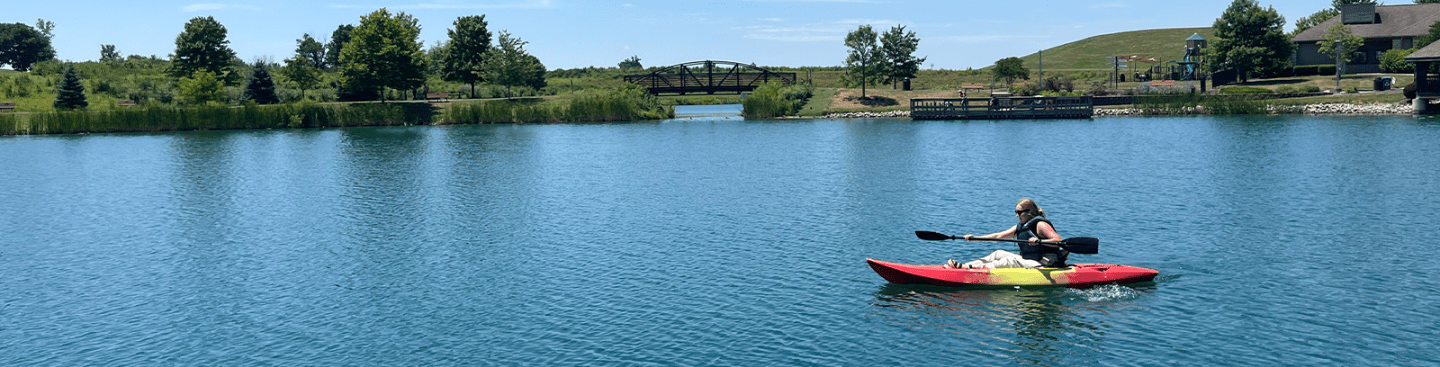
x,y
1080,245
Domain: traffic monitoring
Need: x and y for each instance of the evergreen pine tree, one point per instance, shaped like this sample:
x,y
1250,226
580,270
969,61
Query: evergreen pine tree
x,y
261,88
72,91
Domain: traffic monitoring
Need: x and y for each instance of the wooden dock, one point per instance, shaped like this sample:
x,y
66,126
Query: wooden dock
x,y
1002,108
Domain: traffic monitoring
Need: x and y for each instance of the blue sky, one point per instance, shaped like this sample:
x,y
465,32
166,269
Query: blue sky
x,y
569,34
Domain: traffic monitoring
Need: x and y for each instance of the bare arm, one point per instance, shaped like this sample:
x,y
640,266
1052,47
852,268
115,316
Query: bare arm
x,y
999,235
1047,233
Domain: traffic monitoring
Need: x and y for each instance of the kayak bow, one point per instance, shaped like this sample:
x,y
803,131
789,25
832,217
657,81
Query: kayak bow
x,y
1075,276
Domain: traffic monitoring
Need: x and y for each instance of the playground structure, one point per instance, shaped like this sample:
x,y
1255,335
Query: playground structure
x,y
1189,67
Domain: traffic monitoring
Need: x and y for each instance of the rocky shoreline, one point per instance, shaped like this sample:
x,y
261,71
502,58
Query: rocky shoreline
x,y
1310,109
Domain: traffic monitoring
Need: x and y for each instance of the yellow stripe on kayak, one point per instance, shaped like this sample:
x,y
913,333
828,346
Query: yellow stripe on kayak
x,y
1023,276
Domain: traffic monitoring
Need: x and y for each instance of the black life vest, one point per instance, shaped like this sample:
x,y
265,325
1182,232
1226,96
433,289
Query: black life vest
x,y
1050,257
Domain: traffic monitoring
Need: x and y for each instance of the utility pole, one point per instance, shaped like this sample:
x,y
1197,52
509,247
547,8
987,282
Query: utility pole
x,y
1041,54
1339,64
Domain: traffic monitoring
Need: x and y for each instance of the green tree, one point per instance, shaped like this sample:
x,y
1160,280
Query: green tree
x,y
1314,19
898,48
303,72
338,39
203,47
1428,38
261,88
109,54
384,51
1011,68
511,66
22,46
1250,39
309,48
201,87
1427,1
864,58
72,92
631,63
1339,35
464,56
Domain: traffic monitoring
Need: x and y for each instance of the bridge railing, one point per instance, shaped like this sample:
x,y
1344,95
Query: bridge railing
x,y
701,76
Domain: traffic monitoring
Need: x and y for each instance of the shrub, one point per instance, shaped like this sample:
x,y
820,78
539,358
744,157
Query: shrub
x,y
776,99
1059,84
1393,61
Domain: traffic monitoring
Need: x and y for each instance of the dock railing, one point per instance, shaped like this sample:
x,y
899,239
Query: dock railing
x,y
1039,107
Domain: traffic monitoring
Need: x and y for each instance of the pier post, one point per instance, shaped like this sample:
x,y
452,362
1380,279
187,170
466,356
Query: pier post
x,y
1420,104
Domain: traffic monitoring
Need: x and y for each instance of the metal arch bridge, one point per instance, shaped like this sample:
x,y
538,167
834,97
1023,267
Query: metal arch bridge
x,y
702,76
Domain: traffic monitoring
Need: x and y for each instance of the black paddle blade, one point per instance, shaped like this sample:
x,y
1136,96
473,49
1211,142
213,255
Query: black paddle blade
x,y
932,236
1083,245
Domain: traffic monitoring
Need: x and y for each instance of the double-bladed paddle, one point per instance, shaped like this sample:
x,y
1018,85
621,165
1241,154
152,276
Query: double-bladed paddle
x,y
1078,245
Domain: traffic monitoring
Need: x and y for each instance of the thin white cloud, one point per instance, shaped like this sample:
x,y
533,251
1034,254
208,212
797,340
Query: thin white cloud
x,y
451,4
828,31
215,6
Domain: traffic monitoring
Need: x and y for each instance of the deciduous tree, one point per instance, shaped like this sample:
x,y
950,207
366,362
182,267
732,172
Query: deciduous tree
x,y
899,47
631,63
201,87
309,48
1339,37
203,46
864,61
303,72
384,51
464,56
72,92
109,54
511,66
1250,39
22,46
1011,68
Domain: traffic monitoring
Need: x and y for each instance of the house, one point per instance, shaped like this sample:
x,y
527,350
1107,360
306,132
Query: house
x,y
1384,28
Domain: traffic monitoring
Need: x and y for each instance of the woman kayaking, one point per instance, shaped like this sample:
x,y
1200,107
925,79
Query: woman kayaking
x,y
1033,227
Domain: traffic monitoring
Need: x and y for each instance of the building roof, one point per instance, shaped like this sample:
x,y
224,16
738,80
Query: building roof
x,y
1427,53
1395,21
1195,37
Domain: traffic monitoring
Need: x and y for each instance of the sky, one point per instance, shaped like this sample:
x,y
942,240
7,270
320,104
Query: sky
x,y
571,33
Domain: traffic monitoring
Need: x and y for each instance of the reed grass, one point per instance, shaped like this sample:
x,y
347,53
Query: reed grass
x,y
1212,104
775,99
627,103
216,117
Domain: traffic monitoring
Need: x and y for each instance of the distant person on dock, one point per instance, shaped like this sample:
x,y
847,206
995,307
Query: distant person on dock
x,y
1033,227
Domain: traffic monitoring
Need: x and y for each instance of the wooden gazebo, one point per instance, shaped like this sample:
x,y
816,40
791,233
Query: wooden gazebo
x,y
1427,86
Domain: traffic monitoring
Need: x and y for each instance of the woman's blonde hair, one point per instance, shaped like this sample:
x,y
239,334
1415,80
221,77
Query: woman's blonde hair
x,y
1031,209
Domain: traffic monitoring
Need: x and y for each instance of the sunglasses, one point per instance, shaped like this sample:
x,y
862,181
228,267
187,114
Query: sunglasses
x,y
1020,211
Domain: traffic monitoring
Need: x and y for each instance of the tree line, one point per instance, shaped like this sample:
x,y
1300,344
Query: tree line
x,y
380,56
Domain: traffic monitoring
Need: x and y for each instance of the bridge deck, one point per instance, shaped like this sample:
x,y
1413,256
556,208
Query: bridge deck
x,y
1001,108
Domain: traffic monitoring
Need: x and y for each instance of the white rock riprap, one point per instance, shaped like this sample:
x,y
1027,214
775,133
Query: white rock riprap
x,y
1310,109
861,115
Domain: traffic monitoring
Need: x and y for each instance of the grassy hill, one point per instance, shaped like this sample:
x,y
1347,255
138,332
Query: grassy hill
x,y
1090,53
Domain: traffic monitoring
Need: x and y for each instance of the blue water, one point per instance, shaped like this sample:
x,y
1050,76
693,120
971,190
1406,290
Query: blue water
x,y
709,240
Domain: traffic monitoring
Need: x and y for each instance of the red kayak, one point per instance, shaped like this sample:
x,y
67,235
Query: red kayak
x,y
1075,276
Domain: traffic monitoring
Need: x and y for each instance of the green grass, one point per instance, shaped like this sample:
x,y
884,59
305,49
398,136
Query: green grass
x,y
1090,53
818,103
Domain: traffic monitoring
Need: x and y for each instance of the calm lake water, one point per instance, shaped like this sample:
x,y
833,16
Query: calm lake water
x,y
709,240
